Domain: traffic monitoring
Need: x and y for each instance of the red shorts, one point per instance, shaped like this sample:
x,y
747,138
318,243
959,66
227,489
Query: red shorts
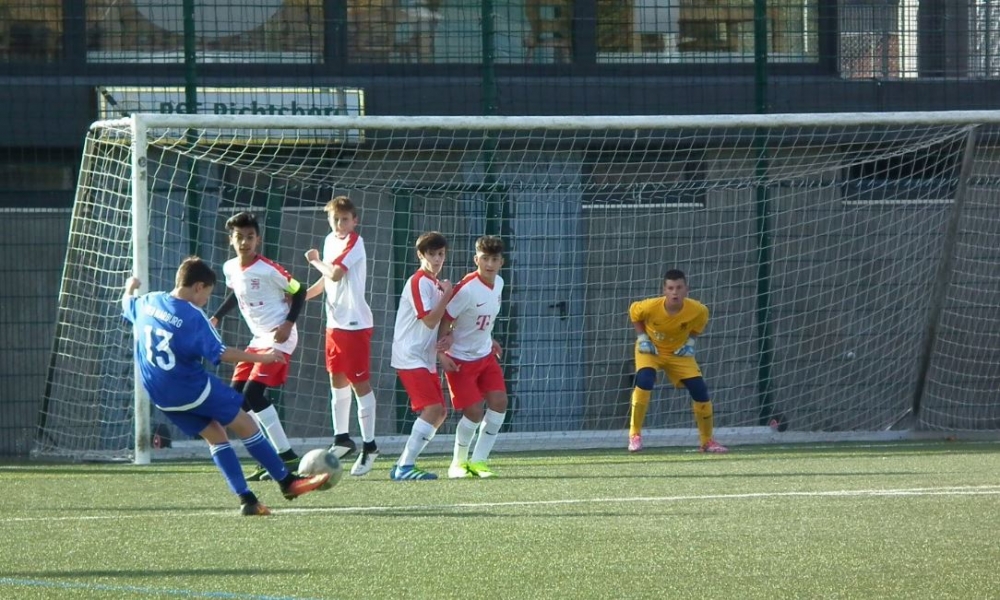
x,y
272,375
422,386
473,379
349,352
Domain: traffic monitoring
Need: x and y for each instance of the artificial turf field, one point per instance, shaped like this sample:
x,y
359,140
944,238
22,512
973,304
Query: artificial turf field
x,y
893,520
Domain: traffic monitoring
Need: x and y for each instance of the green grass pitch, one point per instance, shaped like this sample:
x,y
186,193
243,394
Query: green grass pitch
x,y
899,520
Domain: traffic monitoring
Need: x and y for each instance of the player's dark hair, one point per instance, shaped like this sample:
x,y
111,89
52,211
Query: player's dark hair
x,y
341,204
489,244
194,270
432,240
241,220
674,275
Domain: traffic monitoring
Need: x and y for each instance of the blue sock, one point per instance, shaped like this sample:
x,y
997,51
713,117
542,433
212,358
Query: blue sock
x,y
225,458
262,450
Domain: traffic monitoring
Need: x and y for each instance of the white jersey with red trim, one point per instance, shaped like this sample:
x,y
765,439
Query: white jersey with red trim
x,y
346,307
260,289
473,307
413,342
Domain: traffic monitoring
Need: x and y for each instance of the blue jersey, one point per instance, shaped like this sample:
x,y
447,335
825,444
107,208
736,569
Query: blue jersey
x,y
172,337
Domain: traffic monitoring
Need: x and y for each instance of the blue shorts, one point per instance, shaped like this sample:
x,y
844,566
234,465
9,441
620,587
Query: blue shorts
x,y
222,404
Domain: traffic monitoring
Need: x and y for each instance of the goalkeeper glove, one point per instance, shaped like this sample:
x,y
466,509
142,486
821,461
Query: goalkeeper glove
x,y
687,349
645,345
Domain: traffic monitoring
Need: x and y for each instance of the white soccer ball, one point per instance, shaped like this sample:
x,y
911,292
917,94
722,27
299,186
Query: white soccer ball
x,y
320,461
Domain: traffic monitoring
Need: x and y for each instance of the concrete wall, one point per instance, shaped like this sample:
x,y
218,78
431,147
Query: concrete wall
x,y
34,244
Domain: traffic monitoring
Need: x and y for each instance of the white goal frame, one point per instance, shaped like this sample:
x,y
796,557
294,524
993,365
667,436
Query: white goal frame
x,y
141,123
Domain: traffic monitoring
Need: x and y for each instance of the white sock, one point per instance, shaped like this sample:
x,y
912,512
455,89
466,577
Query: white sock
x,y
464,433
489,430
366,416
275,432
340,407
256,419
422,433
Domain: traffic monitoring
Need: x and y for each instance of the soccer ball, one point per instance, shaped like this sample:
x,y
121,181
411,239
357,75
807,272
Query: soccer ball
x,y
320,461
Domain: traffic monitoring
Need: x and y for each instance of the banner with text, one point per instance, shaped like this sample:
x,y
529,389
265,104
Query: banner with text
x,y
115,102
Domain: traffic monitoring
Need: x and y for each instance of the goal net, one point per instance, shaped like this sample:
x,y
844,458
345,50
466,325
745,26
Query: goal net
x,y
849,261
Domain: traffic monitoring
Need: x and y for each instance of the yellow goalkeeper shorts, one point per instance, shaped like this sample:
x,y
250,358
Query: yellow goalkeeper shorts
x,y
676,367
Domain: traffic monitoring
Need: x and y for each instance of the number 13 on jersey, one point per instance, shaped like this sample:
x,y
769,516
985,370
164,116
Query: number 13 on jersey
x,y
160,355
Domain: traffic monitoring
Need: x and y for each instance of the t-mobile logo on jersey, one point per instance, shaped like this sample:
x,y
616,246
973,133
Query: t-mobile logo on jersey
x,y
482,322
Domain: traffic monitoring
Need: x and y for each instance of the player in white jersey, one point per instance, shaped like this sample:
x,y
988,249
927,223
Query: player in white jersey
x,y
349,327
472,365
259,287
414,352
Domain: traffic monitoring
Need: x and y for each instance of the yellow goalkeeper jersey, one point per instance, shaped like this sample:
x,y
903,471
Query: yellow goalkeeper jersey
x,y
669,332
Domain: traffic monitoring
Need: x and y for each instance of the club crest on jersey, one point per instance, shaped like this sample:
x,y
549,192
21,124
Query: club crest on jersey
x,y
255,284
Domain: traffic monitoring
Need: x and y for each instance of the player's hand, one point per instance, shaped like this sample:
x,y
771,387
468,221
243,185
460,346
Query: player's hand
x,y
312,254
497,350
282,332
273,357
446,287
444,343
214,321
644,345
132,284
687,349
447,363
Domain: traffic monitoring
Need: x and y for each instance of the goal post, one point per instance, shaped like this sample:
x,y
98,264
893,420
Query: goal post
x,y
849,262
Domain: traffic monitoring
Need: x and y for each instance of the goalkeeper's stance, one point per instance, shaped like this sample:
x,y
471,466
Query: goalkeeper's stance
x,y
667,328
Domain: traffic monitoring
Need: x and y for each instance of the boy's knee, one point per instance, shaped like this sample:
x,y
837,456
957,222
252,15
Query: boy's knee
x,y
254,396
645,378
698,389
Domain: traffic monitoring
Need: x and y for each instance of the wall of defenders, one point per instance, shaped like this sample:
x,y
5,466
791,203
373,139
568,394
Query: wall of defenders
x,y
439,325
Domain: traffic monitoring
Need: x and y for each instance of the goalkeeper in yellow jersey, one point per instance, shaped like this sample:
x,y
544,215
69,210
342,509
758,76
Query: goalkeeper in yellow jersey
x,y
667,327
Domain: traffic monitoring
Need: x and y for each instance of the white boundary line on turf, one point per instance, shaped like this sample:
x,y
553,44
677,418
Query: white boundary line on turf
x,y
981,490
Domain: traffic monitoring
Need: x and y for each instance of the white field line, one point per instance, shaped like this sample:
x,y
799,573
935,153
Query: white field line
x,y
985,490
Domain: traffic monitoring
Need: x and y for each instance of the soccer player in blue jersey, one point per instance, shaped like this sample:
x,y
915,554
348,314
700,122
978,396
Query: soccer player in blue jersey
x,y
172,337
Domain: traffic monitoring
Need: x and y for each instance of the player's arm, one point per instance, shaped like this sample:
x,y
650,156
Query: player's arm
x,y
637,314
298,300
128,297
333,272
433,318
232,355
209,343
131,285
444,331
315,290
444,342
225,308
696,328
284,331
